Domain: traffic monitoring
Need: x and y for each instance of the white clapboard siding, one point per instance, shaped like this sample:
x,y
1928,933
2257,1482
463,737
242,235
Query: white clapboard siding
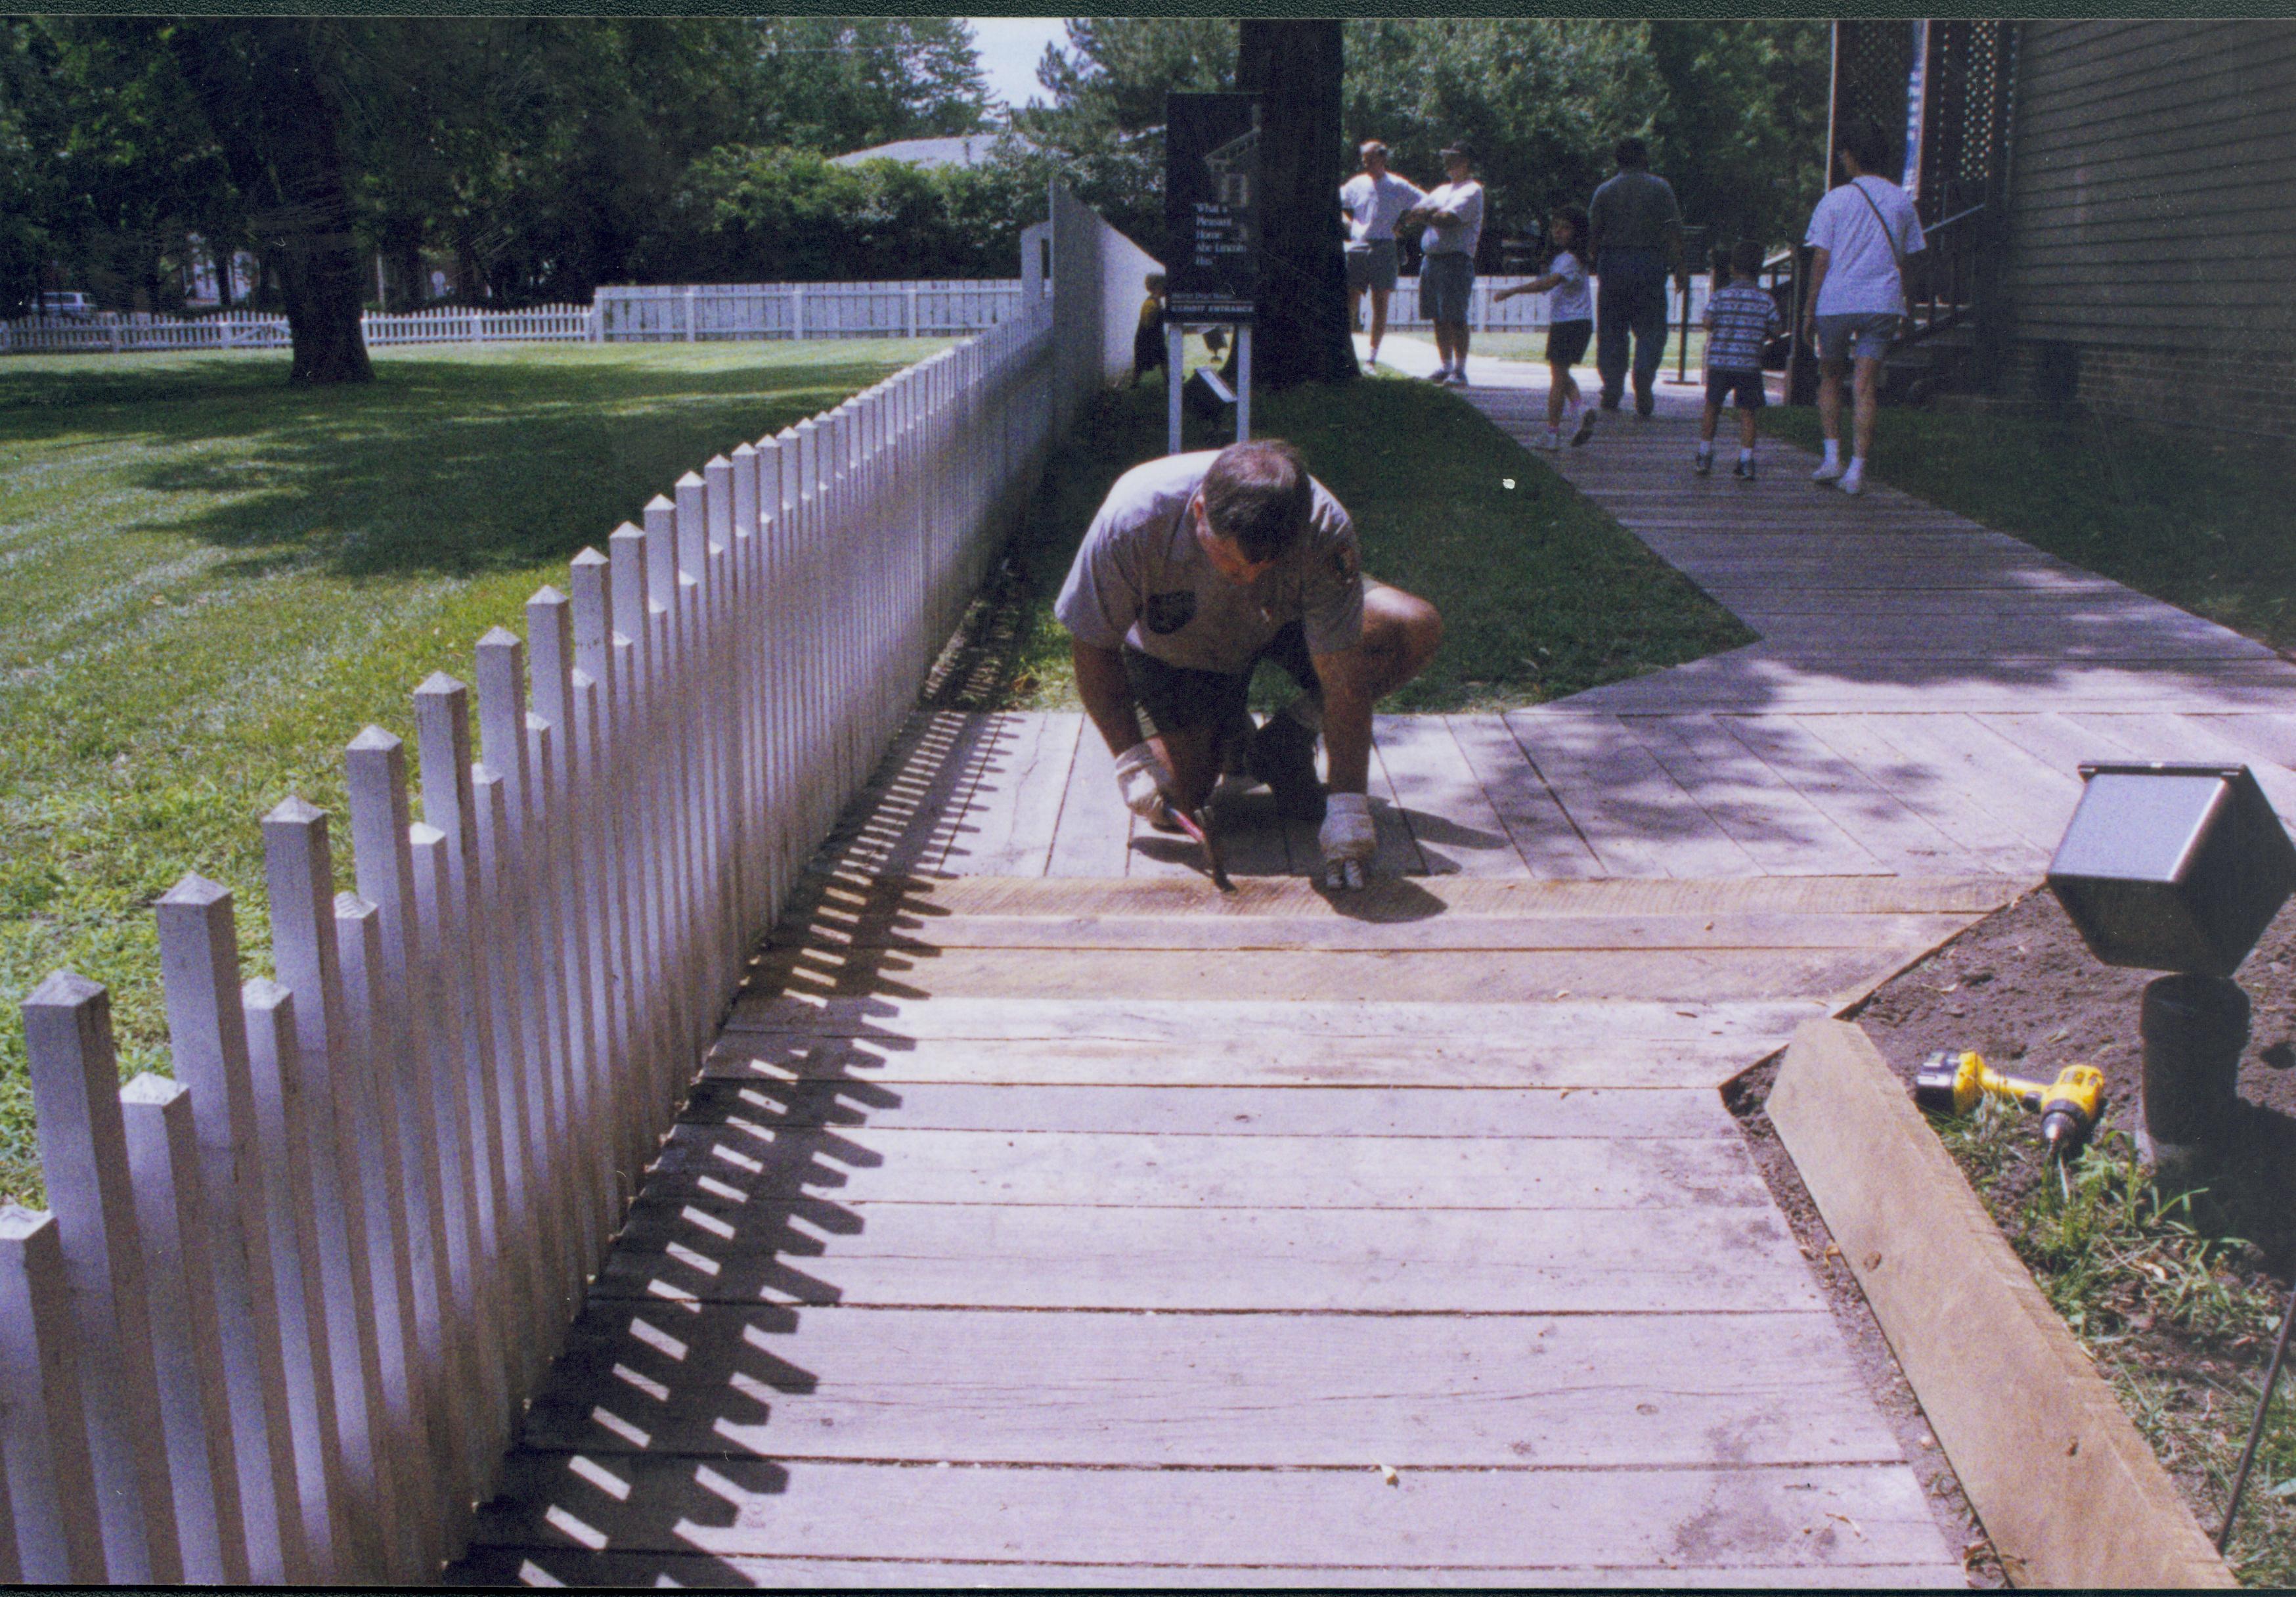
x,y
293,1303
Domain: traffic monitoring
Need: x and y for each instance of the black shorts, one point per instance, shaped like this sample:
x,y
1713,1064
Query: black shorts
x,y
1179,698
1746,385
1567,341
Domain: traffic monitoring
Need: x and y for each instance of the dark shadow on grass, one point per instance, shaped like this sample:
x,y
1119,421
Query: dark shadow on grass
x,y
444,467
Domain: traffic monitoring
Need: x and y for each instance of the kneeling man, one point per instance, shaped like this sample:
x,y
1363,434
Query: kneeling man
x,y
1197,568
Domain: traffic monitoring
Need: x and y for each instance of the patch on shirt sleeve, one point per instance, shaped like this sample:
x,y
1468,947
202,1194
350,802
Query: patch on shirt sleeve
x,y
1168,613
1345,567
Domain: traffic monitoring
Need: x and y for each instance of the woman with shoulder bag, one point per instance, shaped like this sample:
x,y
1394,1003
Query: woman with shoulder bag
x,y
1861,234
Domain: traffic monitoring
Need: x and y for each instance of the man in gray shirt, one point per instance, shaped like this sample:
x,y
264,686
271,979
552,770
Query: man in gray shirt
x,y
1635,234
1197,568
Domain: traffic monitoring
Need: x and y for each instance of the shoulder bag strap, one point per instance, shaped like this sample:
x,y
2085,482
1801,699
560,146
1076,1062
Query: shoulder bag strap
x,y
1905,304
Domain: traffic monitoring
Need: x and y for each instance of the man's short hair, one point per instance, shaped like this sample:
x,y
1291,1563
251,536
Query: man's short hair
x,y
1746,258
1631,151
1866,140
1257,496
1371,147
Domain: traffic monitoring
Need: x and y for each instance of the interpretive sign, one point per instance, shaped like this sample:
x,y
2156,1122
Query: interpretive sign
x,y
1211,206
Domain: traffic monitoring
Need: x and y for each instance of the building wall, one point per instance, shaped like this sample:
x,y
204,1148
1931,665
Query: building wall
x,y
2152,226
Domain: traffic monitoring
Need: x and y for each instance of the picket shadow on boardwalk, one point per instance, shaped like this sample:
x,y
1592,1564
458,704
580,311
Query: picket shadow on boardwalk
x,y
1043,1216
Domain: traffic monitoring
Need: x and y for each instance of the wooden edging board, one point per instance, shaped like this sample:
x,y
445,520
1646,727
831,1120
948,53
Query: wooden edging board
x,y
2070,1493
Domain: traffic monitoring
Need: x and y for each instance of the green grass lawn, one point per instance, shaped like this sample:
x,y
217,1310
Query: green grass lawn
x,y
1542,594
2192,517
214,581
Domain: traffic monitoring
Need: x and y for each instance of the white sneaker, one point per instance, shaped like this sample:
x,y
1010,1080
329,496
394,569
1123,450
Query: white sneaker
x,y
1441,374
1458,377
1853,482
1373,360
1827,472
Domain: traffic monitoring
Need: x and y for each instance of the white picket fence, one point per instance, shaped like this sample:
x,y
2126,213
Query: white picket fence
x,y
1523,313
247,330
684,314
749,310
282,1320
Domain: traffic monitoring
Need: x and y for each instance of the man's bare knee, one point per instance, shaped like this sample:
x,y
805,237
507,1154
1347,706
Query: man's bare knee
x,y
1401,633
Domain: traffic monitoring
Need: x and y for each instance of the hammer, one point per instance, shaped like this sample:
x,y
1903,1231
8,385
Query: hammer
x,y
1202,832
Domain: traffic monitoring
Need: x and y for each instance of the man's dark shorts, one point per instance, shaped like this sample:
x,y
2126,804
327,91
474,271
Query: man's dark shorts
x,y
1178,699
1746,385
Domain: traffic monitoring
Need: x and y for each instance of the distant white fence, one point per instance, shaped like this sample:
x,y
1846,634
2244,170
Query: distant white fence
x,y
804,310
1523,313
701,313
283,1317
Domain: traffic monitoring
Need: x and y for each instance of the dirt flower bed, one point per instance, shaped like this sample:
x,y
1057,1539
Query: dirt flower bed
x,y
2176,1294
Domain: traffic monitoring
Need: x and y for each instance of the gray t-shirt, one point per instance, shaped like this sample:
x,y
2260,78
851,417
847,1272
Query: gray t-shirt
x,y
1633,211
1143,580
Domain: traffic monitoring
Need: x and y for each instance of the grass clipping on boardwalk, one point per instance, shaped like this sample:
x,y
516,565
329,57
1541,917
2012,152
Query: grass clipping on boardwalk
x,y
1542,594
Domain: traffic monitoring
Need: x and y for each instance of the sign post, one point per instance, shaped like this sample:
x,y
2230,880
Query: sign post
x,y
1211,223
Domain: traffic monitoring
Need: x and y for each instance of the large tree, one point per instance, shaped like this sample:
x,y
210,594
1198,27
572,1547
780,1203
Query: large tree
x,y
1296,68
278,120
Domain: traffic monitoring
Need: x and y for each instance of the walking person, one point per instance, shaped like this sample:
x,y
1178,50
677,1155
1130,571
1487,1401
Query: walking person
x,y
1370,201
1569,322
1634,232
1861,233
1148,351
1452,213
1740,319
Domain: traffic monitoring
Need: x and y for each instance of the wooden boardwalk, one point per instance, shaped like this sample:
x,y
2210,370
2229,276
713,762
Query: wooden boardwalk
x,y
1044,1218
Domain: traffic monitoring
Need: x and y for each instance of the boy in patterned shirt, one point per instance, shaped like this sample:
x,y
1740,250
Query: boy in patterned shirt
x,y
1740,320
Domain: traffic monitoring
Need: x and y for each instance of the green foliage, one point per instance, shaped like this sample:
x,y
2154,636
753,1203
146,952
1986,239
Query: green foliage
x,y
1542,594
835,84
744,213
233,577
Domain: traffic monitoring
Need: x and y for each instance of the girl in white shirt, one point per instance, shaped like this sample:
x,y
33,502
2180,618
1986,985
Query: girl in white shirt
x,y
1570,321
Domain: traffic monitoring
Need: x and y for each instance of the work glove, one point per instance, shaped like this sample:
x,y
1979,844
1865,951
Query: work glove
x,y
1348,840
1142,777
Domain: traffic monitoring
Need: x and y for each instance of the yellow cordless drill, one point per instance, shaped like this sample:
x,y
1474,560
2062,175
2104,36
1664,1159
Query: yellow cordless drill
x,y
1951,1084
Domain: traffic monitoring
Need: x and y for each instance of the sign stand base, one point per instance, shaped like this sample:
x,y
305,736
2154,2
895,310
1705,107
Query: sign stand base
x,y
1176,340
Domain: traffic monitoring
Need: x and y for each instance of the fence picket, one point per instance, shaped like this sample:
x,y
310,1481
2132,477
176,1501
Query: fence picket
x,y
298,862
431,1186
207,1032
83,1153
52,1492
373,1035
282,1119
163,1172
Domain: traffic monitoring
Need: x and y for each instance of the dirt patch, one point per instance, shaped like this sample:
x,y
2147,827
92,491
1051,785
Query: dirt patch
x,y
2175,1295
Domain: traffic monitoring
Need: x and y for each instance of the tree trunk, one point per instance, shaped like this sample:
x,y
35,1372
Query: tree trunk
x,y
1301,334
257,78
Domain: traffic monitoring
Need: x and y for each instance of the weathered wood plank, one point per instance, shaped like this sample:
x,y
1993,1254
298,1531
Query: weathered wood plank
x,y
557,1563
1460,977
1097,1388
1711,929
1129,1169
1463,1112
1925,791
1637,818
1571,1052
1985,771
1439,798
1755,1518
1007,825
1780,830
1090,837
1544,837
817,1251
1882,825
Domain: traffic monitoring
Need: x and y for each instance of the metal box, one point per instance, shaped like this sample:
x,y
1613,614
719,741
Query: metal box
x,y
2173,867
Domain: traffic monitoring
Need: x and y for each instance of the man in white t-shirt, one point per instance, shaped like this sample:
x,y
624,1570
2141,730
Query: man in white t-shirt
x,y
1862,232
1369,202
1453,216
